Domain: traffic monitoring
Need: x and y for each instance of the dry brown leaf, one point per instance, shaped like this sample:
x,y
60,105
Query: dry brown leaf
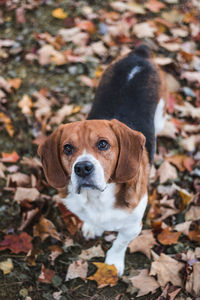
x,y
47,54
19,179
166,172
154,5
55,252
177,160
26,104
144,282
191,76
15,83
193,282
143,243
2,170
46,275
188,110
105,275
167,269
144,29
194,235
166,237
64,111
183,227
76,269
95,251
190,143
22,194
44,229
172,83
169,130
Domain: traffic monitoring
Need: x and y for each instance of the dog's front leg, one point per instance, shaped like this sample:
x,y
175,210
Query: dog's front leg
x,y
116,254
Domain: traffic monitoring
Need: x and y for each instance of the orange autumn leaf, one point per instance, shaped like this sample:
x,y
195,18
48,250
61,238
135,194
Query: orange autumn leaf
x,y
177,160
105,275
166,237
59,13
72,221
44,229
10,157
7,123
15,83
87,26
17,243
46,275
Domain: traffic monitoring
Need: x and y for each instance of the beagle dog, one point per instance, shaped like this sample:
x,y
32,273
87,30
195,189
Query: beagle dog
x,y
101,165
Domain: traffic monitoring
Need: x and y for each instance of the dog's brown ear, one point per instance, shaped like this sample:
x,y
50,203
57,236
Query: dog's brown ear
x,y
131,145
49,153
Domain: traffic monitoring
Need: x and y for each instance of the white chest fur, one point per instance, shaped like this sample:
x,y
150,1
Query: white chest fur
x,y
97,209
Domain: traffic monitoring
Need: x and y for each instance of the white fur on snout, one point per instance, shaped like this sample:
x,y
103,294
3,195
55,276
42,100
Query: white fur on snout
x,y
97,176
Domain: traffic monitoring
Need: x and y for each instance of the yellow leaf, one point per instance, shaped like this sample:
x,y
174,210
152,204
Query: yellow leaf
x,y
59,13
6,266
105,275
7,123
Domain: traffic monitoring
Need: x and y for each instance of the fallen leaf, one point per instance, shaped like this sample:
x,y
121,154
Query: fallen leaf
x,y
167,270
46,275
72,221
143,243
59,13
144,29
191,76
177,160
47,54
154,5
166,237
183,227
95,251
169,130
76,269
144,282
18,179
7,123
32,255
44,229
55,252
193,214
172,83
193,283
9,157
17,243
26,104
23,193
189,144
6,266
15,83
188,110
87,26
105,275
166,172
2,170
194,235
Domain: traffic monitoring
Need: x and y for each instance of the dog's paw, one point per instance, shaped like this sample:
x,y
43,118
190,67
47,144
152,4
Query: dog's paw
x,y
89,231
116,260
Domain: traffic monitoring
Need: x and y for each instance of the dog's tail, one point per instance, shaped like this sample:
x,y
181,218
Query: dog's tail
x,y
142,51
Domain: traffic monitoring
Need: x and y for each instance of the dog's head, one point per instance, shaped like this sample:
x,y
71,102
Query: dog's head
x,y
91,153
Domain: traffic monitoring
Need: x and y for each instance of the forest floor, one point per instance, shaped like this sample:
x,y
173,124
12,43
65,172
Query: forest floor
x,y
52,54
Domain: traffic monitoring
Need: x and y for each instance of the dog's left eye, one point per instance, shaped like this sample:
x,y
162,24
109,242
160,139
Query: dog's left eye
x,y
103,145
68,149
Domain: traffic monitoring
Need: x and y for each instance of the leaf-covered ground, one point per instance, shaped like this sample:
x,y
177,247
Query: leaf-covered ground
x,y
52,54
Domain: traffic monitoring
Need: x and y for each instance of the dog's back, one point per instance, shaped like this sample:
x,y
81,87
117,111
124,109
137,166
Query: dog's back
x,y
130,91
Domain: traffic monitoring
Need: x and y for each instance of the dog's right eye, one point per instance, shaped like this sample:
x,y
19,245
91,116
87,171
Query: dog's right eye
x,y
68,149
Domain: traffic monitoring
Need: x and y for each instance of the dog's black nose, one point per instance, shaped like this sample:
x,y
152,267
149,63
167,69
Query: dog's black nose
x,y
83,168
